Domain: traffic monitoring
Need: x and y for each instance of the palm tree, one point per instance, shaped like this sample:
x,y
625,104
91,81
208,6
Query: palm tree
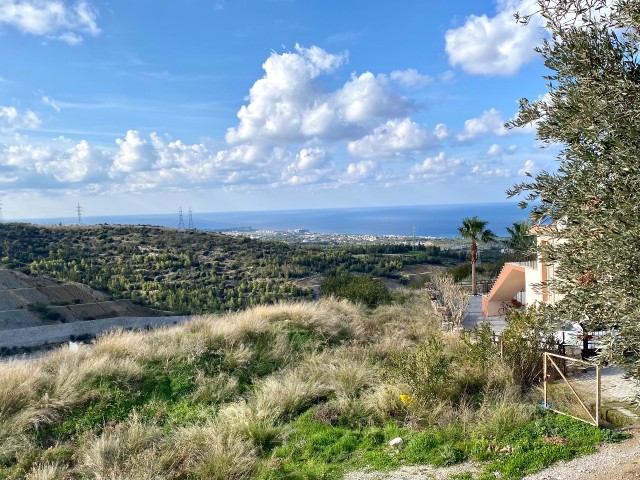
x,y
473,230
521,240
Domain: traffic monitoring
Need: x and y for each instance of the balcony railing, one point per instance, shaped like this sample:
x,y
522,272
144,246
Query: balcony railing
x,y
529,264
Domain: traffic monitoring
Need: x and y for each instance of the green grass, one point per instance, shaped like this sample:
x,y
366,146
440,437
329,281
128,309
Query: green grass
x,y
318,450
285,392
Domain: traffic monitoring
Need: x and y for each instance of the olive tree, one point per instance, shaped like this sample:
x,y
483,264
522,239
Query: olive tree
x,y
592,200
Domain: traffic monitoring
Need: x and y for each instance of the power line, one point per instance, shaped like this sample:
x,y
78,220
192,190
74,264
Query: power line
x,y
79,211
180,219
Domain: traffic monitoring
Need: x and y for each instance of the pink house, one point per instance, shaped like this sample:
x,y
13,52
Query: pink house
x,y
522,283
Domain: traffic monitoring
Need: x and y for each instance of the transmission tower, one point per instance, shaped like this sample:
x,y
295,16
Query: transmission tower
x,y
180,219
79,212
190,219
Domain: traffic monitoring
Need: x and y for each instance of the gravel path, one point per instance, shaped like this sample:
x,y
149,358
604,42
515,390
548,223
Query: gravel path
x,y
617,461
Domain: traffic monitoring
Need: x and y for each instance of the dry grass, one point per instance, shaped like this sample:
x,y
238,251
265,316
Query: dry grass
x,y
47,471
340,369
128,450
211,452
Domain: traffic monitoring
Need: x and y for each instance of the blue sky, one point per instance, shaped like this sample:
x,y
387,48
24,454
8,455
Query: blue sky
x,y
140,107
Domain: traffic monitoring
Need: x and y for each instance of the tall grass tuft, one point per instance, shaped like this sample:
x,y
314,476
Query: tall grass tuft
x,y
47,471
210,452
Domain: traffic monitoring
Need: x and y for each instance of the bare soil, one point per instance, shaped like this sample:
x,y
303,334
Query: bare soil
x,y
74,302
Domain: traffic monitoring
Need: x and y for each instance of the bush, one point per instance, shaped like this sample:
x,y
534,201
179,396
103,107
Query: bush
x,y
527,336
460,272
362,289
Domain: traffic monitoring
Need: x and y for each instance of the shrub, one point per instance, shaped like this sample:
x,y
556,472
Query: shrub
x,y
427,371
361,289
460,272
526,337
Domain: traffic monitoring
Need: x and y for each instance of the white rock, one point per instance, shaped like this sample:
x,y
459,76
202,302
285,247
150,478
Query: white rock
x,y
396,442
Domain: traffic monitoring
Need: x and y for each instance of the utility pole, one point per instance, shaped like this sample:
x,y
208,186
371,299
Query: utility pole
x,y
180,219
79,212
190,219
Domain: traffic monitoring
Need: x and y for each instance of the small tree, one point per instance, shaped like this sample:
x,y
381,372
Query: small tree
x,y
473,230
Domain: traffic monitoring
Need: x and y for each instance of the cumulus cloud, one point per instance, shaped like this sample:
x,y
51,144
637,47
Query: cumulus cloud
x,y
360,171
435,167
54,19
290,104
75,165
490,121
52,166
487,170
134,154
11,119
311,165
529,168
396,138
495,45
411,78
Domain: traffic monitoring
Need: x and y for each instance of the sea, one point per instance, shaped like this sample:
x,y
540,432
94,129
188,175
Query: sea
x,y
419,220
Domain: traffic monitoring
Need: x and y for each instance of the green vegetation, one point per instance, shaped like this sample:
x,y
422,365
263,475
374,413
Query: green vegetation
x,y
521,240
358,289
293,390
191,271
591,203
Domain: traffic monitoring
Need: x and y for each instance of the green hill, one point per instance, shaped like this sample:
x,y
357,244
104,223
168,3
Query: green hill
x,y
191,271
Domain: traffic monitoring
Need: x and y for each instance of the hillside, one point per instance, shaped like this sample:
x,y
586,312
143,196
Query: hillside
x,y
31,301
298,390
192,271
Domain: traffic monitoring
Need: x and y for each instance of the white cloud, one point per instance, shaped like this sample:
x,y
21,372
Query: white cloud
x,y
495,45
435,167
279,100
367,98
495,150
52,18
290,104
11,119
395,138
529,167
51,103
311,165
134,154
447,76
490,122
411,78
75,165
486,170
360,170
47,166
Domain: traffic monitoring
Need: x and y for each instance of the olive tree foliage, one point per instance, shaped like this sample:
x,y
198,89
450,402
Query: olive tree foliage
x,y
591,114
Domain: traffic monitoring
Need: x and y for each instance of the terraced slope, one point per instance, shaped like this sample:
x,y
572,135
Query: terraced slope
x,y
27,301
